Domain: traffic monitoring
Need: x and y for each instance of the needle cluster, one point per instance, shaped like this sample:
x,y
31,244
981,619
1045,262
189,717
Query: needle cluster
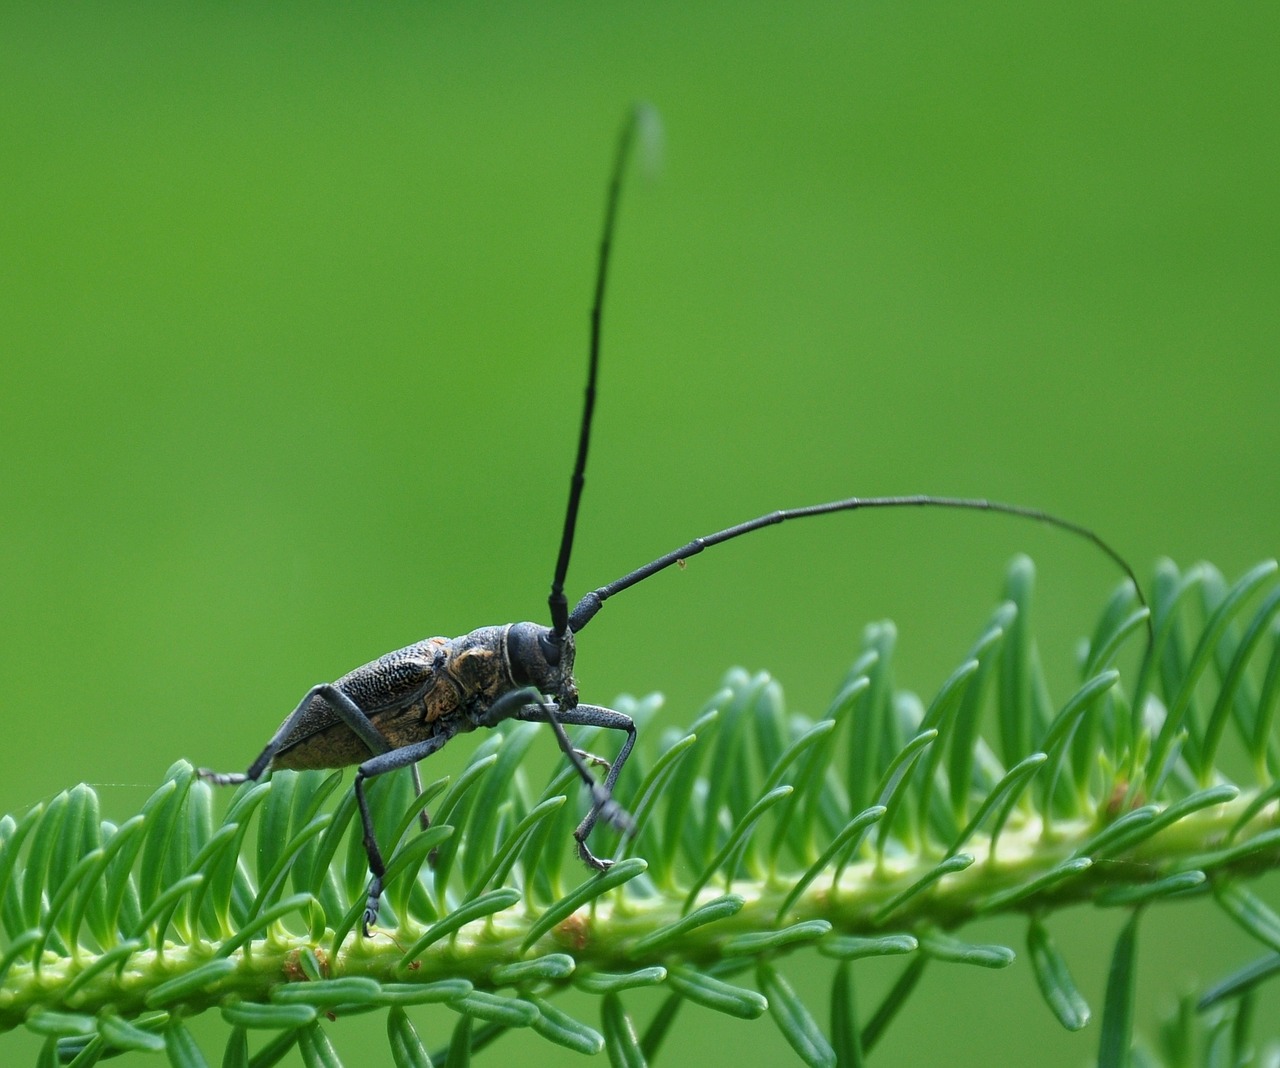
x,y
880,828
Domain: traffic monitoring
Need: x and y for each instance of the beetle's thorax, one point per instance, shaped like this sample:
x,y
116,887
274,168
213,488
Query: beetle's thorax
x,y
535,657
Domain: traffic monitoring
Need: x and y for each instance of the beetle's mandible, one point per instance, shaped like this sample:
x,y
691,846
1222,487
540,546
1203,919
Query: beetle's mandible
x,y
404,706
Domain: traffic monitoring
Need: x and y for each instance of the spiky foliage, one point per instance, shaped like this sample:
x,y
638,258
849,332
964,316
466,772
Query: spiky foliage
x,y
879,829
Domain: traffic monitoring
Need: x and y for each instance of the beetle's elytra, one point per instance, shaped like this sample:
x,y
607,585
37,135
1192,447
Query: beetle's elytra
x,y
439,686
402,707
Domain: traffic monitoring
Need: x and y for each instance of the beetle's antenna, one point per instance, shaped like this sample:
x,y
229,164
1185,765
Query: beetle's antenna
x,y
640,114
592,602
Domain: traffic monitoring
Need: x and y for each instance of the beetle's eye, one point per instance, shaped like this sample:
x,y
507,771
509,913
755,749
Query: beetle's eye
x,y
550,648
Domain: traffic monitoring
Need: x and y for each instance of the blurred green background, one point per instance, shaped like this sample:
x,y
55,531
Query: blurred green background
x,y
293,308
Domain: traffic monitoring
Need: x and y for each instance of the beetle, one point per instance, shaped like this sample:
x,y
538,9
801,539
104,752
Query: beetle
x,y
404,706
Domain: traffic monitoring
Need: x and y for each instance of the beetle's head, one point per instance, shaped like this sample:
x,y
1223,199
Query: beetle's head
x,y
542,659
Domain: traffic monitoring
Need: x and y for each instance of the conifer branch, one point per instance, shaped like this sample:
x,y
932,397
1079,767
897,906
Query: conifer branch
x,y
881,828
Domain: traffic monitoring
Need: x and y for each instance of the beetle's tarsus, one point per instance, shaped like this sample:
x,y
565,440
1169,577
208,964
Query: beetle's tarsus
x,y
371,904
604,807
591,860
222,778
616,816
591,758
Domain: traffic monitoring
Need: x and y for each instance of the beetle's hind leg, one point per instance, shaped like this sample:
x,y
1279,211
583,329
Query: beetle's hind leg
x,y
386,759
346,710
603,805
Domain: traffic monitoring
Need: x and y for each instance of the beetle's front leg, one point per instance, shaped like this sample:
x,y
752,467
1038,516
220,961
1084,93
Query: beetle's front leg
x,y
603,804
506,706
351,714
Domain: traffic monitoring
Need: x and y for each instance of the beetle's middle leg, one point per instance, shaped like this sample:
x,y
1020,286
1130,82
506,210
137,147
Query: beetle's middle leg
x,y
424,818
350,713
405,756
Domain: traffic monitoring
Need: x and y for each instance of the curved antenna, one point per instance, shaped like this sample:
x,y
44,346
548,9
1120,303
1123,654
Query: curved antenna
x,y
593,601
639,115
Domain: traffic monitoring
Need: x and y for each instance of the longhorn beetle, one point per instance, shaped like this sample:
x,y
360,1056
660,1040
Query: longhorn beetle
x,y
405,705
